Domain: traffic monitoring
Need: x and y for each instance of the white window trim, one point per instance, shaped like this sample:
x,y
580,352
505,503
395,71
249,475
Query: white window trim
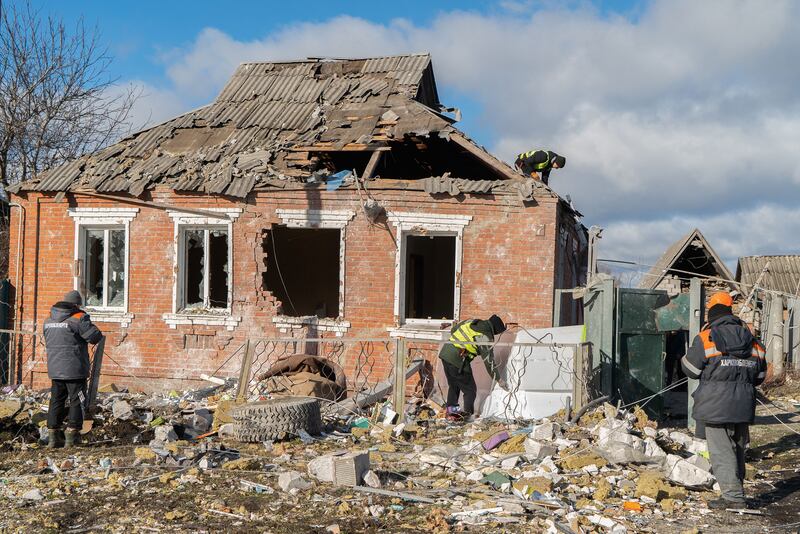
x,y
217,317
419,332
408,223
328,219
285,324
105,217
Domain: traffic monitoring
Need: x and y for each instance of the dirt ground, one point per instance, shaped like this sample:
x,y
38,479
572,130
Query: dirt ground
x,y
103,487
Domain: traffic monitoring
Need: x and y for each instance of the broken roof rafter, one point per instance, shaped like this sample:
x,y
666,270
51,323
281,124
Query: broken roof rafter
x,y
677,251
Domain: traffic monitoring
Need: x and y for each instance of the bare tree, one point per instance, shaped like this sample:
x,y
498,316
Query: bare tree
x,y
57,99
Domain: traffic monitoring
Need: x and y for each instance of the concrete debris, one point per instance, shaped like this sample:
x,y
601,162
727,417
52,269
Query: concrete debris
x,y
372,480
34,494
687,473
544,432
122,410
321,468
536,450
349,469
292,480
610,472
690,444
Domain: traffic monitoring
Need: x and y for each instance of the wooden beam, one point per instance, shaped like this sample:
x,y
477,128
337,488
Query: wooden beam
x,y
484,156
157,205
346,148
371,165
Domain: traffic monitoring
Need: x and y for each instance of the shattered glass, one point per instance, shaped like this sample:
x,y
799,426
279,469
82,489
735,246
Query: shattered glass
x,y
218,269
195,268
116,268
93,261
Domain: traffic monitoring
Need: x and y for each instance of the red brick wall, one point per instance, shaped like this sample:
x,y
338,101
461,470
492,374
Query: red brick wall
x,y
506,269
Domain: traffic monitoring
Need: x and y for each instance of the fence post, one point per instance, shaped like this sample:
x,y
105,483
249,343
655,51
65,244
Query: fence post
x,y
399,394
696,312
244,374
775,350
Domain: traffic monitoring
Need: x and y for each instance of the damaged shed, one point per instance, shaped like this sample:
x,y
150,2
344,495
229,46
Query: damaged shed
x,y
312,198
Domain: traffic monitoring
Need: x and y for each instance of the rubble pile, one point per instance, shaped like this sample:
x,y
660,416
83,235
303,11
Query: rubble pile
x,y
612,471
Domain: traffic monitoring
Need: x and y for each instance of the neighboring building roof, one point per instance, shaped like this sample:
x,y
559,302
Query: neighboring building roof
x,y
782,274
694,254
275,122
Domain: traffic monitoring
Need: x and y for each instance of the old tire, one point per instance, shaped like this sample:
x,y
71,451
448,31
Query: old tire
x,y
276,419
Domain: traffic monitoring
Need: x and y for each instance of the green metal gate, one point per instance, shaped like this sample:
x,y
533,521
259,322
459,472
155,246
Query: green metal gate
x,y
640,347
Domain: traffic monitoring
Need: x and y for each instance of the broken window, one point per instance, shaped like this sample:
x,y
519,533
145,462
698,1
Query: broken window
x,y
303,270
205,265
430,266
103,259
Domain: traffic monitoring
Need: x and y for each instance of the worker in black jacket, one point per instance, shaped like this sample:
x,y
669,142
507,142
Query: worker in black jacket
x,y
67,333
539,161
729,361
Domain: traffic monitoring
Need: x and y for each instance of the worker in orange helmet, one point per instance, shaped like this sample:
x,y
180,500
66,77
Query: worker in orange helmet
x,y
730,363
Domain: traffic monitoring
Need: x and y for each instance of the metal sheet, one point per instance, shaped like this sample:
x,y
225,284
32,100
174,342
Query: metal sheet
x,y
540,379
639,365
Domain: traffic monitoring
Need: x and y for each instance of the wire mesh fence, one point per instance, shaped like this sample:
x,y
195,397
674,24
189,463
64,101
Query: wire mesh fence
x,y
23,354
537,376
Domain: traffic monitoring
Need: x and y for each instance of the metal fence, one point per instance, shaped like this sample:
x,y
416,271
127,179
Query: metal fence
x,y
357,372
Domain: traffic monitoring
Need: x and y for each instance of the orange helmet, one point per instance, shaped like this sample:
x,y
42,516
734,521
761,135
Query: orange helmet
x,y
723,298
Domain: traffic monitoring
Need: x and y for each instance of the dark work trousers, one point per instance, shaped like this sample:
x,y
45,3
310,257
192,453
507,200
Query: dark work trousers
x,y
726,447
61,392
460,381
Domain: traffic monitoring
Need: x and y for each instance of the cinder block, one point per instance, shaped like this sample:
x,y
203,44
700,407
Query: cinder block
x,y
349,469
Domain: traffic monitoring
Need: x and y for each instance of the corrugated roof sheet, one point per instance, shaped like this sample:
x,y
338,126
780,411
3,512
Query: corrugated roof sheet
x,y
269,109
782,274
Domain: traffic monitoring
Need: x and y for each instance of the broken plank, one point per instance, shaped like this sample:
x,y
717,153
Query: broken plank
x,y
372,164
345,148
395,494
484,156
150,204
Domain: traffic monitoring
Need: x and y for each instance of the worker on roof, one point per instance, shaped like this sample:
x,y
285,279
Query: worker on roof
x,y
539,161
457,356
67,334
729,361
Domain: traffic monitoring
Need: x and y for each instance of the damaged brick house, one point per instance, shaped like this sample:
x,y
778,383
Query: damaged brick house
x,y
311,198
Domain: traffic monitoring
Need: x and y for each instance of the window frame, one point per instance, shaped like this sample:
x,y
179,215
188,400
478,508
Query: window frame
x,y
106,229
105,219
182,306
425,224
201,316
311,220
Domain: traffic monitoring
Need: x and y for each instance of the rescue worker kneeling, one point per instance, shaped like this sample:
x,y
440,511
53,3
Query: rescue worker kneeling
x,y
730,363
457,356
67,333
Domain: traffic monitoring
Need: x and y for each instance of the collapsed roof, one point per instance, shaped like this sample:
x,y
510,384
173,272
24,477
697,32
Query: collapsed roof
x,y
689,255
278,123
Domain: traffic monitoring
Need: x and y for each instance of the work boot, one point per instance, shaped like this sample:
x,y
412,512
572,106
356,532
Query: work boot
x,y
722,503
55,438
71,437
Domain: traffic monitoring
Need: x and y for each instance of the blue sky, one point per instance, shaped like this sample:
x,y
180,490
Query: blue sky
x,y
143,36
666,126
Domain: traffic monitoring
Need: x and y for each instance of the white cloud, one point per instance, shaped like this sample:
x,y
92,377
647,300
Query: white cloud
x,y
691,108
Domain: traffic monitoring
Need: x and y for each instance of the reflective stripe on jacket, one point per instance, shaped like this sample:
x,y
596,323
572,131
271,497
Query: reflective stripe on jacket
x,y
730,363
67,333
537,166
462,337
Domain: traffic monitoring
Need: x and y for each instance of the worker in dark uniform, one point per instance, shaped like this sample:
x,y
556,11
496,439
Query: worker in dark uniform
x,y
67,334
539,161
730,363
457,356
